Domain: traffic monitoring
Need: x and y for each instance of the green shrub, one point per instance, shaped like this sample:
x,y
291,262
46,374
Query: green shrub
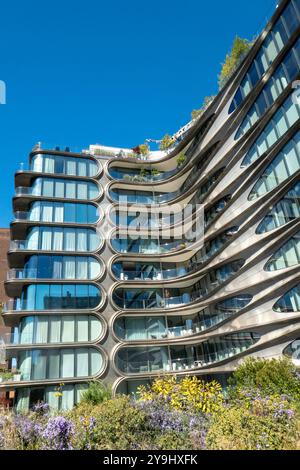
x,y
96,393
260,424
114,425
270,377
188,394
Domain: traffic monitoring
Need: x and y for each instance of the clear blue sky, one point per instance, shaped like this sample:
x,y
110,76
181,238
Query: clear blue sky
x,y
110,72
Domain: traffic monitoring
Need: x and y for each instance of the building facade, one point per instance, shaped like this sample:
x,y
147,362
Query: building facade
x,y
4,245
90,299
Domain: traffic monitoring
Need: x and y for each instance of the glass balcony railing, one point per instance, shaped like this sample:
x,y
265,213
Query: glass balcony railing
x,y
147,247
180,331
159,302
180,364
30,273
21,215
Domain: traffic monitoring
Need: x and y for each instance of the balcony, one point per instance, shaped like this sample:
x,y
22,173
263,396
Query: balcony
x,y
176,332
181,364
157,300
20,216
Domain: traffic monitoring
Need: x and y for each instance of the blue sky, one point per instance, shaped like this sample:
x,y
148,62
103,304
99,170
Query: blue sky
x,y
114,72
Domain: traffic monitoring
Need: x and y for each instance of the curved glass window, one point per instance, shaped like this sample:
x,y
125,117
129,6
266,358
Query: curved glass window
x,y
139,360
286,210
275,41
141,299
141,175
60,267
139,197
214,211
146,246
45,364
65,165
290,302
133,328
69,395
63,189
137,270
44,211
286,164
61,239
293,350
279,124
287,256
58,296
284,74
49,329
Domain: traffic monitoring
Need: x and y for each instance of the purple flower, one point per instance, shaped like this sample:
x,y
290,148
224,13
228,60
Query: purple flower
x,y
58,433
28,430
41,408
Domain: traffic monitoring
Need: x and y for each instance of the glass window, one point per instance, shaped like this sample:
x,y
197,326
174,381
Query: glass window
x,y
64,164
290,302
275,41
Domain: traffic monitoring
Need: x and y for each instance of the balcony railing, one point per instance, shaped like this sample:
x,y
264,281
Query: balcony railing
x,y
162,303
180,364
25,273
21,215
181,331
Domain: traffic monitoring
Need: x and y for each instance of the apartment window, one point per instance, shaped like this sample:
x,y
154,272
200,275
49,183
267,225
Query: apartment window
x,y
59,296
47,364
58,329
286,210
42,211
62,164
62,267
290,302
55,188
283,119
275,41
287,256
284,74
286,164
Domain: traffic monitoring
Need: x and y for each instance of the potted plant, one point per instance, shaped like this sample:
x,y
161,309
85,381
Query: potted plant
x,y
144,149
155,172
6,376
17,376
166,142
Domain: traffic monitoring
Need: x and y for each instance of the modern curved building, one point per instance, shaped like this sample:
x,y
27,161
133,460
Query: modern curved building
x,y
90,299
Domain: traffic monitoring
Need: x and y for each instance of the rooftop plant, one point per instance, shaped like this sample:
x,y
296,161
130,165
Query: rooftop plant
x,y
196,113
239,50
166,142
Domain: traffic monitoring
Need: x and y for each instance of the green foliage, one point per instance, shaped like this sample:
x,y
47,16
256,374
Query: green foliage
x,y
240,49
155,172
166,142
259,425
113,425
196,113
270,377
181,160
96,393
190,394
144,149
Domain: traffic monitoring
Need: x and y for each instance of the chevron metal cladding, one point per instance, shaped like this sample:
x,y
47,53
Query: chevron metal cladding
x,y
90,299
